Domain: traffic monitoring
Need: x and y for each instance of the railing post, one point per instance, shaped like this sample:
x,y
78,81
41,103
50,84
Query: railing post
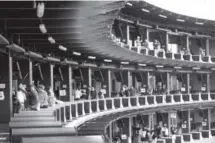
x,y
172,98
76,110
105,105
97,105
137,100
83,111
90,107
129,101
155,101
112,100
200,97
164,99
146,101
209,97
121,104
190,98
181,98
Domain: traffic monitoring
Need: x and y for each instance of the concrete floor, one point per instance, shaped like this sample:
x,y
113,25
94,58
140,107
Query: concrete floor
x,y
210,140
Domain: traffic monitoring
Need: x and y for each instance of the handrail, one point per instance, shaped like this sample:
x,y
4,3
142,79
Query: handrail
x,y
85,110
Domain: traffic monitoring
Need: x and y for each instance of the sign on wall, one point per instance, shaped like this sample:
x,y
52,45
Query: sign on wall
x,y
2,86
1,95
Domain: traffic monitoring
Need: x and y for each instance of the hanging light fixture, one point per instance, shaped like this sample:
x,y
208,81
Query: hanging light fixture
x,y
51,40
76,53
62,48
43,28
40,9
34,4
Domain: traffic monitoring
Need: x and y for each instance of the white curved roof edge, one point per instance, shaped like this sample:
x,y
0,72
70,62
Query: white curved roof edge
x,y
203,9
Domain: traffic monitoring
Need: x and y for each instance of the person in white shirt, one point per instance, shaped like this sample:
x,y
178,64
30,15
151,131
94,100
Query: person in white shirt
x,y
165,131
78,94
21,97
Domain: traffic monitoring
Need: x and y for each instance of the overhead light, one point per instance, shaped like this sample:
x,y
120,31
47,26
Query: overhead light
x,y
180,20
163,16
145,10
91,57
76,53
43,28
107,60
184,33
125,63
143,65
199,23
51,40
130,4
62,48
213,69
159,66
177,67
196,68
40,9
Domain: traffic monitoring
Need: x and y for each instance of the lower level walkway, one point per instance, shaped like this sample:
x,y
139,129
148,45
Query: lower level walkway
x,y
207,140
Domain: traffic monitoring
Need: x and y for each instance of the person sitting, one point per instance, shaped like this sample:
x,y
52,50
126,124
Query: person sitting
x,y
158,131
34,98
94,94
52,100
123,91
21,98
201,52
101,95
78,94
156,45
173,132
133,91
165,131
158,90
138,44
43,96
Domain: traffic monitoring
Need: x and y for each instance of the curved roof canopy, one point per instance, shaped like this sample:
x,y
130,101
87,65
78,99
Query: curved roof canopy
x,y
203,9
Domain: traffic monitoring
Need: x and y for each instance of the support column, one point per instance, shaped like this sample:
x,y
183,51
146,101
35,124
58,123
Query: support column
x,y
51,75
30,72
110,132
166,41
209,119
108,81
208,82
147,34
207,49
168,82
87,75
187,42
186,123
130,129
128,35
188,83
71,97
127,78
10,62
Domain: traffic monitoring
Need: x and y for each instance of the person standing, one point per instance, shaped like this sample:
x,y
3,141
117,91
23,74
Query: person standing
x,y
34,98
21,98
78,94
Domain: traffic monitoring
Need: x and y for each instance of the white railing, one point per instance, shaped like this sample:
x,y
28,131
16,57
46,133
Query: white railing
x,y
85,110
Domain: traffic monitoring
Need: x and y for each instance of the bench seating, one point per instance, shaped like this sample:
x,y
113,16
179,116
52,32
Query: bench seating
x,y
196,135
206,134
19,133
35,124
64,139
26,119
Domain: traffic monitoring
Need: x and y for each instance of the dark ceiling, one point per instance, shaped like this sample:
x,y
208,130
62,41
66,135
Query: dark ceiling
x,y
80,26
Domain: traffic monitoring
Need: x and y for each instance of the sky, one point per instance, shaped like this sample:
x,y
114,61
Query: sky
x,y
196,8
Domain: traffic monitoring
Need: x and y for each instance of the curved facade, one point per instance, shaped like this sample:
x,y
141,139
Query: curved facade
x,y
127,85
